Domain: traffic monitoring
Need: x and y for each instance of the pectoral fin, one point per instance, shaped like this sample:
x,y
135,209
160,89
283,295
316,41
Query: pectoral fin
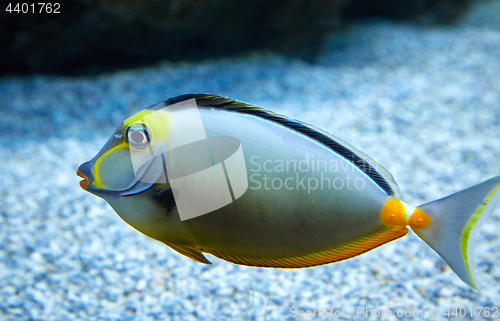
x,y
165,197
189,251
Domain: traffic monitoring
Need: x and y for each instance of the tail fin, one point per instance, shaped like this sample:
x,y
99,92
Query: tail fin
x,y
455,222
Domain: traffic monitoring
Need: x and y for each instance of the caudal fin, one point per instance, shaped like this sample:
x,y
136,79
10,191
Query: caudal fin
x,y
455,220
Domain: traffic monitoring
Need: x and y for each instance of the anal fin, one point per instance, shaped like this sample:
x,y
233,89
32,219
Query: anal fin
x,y
329,255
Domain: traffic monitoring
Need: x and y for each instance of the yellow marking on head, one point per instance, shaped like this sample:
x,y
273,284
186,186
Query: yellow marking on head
x,y
158,121
136,118
393,213
419,219
97,180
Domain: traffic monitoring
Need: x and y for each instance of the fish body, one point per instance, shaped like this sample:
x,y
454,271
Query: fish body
x,y
302,198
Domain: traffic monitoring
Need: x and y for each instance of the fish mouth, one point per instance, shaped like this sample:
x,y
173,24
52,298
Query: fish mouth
x,y
85,182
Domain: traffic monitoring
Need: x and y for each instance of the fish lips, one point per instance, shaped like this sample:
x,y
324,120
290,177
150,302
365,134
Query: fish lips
x,y
85,172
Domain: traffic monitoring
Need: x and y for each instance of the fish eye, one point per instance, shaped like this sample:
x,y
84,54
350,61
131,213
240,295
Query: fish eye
x,y
138,136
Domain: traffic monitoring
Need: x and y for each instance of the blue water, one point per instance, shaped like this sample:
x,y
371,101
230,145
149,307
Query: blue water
x,y
423,102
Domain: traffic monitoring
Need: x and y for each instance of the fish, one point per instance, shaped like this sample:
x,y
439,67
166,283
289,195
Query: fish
x,y
206,174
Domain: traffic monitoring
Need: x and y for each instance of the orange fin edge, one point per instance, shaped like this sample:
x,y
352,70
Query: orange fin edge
x,y
332,254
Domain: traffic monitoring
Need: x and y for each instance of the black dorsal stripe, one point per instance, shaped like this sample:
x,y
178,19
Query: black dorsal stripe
x,y
216,101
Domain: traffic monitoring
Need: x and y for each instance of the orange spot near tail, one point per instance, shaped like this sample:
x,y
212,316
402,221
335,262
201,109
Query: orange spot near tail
x,y
419,219
393,213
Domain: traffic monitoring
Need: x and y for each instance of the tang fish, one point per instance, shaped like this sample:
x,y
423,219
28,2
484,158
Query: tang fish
x,y
207,174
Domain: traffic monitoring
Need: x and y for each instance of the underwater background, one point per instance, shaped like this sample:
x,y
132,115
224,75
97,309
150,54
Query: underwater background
x,y
422,101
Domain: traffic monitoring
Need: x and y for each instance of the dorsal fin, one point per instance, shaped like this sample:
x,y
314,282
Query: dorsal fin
x,y
375,171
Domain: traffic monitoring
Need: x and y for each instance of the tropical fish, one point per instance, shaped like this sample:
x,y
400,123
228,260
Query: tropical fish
x,y
208,174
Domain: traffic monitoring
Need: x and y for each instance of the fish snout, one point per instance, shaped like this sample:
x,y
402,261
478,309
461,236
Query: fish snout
x,y
85,173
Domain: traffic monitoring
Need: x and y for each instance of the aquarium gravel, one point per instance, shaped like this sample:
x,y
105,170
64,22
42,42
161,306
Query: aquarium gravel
x,y
422,101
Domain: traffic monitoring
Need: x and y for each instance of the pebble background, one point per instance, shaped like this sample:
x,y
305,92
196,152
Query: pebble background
x,y
424,102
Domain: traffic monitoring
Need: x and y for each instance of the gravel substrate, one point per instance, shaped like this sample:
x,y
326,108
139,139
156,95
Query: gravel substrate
x,y
423,102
